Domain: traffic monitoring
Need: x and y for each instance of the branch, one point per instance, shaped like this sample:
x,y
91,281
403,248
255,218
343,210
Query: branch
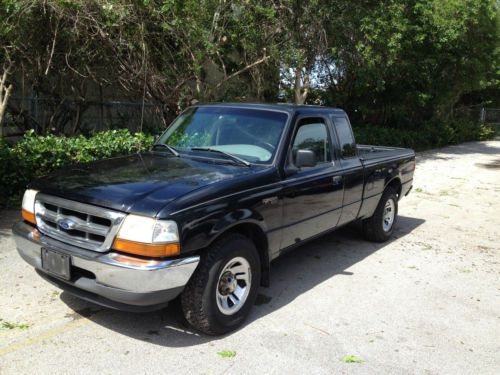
x,y
222,63
231,76
5,92
6,71
183,82
53,48
73,69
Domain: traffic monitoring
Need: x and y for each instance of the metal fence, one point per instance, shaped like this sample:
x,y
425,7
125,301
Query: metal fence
x,y
74,117
490,115
479,113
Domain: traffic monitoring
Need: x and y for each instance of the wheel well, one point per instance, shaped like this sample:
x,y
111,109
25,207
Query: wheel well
x,y
255,234
396,185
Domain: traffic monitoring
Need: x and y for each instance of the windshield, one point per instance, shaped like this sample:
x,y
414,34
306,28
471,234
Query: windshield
x,y
250,134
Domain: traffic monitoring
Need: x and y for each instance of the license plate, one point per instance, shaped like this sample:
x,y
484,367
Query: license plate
x,y
56,263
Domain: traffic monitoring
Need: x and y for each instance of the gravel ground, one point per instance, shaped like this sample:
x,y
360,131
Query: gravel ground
x,y
426,302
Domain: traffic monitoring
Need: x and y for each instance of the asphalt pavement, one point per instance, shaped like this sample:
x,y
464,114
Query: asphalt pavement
x,y
426,302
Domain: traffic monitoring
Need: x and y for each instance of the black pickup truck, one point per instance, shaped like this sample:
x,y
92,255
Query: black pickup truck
x,y
224,190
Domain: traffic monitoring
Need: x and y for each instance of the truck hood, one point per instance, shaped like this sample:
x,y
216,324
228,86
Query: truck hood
x,y
141,183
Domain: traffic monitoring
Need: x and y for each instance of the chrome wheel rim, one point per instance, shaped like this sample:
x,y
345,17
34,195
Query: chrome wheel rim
x,y
389,214
233,286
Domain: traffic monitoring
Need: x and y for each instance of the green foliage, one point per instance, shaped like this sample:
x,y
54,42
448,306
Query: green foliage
x,y
10,175
227,354
429,135
390,63
394,63
351,359
183,49
399,68
36,156
181,139
13,325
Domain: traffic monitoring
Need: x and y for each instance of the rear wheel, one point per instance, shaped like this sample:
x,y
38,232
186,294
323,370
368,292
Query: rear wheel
x,y
380,226
222,291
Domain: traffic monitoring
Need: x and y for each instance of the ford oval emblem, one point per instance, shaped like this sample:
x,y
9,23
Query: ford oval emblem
x,y
66,224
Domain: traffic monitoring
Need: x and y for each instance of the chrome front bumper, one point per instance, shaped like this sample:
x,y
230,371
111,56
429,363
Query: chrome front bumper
x,y
104,280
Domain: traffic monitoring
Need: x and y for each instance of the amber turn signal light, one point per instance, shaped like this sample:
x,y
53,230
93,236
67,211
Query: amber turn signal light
x,y
28,216
147,249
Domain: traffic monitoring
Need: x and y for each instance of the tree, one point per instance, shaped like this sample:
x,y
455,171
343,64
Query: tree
x,y
405,62
306,23
168,51
388,62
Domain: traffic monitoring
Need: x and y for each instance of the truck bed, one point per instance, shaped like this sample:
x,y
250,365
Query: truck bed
x,y
373,153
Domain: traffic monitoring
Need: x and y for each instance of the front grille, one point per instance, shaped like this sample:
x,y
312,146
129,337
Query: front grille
x,y
78,224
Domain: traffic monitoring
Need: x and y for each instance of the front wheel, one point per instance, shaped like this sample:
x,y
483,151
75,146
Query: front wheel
x,y
380,226
222,291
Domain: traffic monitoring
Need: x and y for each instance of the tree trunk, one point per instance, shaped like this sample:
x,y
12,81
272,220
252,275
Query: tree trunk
x,y
301,85
5,92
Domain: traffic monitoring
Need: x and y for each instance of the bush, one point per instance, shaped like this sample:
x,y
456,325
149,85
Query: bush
x,y
35,156
429,135
10,175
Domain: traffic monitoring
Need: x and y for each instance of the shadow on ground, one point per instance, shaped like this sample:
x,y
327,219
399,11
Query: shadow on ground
x,y
450,152
7,220
494,164
291,275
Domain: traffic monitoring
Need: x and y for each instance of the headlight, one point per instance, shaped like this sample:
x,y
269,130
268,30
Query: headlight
x,y
147,236
28,206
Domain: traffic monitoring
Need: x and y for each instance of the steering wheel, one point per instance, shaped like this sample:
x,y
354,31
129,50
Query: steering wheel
x,y
265,145
269,147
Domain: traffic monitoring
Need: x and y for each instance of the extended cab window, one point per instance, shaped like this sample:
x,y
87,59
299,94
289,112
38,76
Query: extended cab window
x,y
346,139
312,135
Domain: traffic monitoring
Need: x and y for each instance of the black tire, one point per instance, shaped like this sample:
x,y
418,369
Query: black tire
x,y
373,227
198,299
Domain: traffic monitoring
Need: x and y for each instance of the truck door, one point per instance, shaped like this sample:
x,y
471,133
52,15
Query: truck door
x,y
312,197
353,170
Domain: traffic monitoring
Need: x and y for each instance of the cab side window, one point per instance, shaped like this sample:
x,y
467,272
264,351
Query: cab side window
x,y
346,138
312,135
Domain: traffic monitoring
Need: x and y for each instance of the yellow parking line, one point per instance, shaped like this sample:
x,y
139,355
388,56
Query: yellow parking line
x,y
32,324
10,332
36,339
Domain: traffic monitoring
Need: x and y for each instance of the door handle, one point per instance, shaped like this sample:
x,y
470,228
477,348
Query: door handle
x,y
337,180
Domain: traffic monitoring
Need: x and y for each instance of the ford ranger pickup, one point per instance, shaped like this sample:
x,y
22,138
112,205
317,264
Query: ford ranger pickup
x,y
222,192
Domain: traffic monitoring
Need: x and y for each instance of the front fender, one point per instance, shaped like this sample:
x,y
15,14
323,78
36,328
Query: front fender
x,y
200,232
237,217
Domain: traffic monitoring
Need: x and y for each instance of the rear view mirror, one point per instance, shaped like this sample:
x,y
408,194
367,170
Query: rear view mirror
x,y
305,158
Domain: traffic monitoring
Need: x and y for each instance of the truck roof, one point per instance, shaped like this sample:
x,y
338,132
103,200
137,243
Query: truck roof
x,y
284,107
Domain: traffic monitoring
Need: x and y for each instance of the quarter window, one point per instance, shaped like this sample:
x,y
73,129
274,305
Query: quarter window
x,y
346,139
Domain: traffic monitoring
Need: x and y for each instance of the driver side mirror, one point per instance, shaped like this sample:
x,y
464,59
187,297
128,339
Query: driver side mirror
x,y
305,158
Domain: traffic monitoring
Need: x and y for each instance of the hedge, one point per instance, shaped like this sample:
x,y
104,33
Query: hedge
x,y
427,136
35,156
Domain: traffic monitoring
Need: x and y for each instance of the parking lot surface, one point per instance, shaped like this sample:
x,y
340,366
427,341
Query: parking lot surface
x,y
427,302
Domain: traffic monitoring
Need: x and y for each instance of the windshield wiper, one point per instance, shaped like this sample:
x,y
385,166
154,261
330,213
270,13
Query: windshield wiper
x,y
169,148
231,156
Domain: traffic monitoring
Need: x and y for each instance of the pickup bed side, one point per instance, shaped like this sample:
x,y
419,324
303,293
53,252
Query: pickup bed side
x,y
395,164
